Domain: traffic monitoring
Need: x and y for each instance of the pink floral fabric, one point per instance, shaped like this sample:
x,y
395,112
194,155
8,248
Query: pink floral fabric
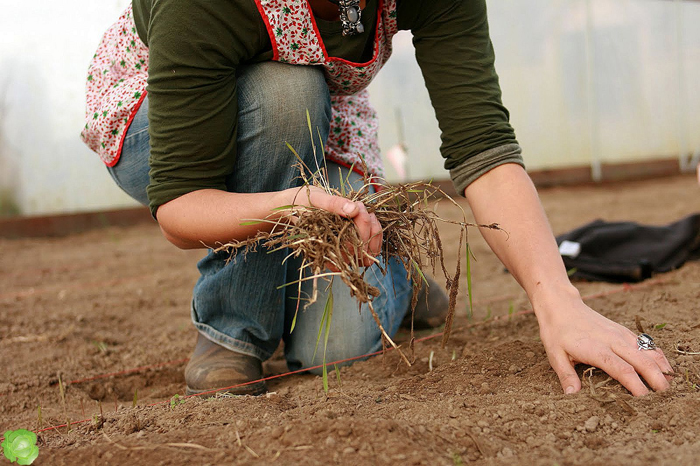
x,y
118,73
116,86
295,39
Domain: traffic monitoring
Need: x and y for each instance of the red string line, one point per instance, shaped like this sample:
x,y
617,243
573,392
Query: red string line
x,y
128,371
623,288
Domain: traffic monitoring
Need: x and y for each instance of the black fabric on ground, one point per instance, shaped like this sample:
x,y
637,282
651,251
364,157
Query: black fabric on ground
x,y
630,252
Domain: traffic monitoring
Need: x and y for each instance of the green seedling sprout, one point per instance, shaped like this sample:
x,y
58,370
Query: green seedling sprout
x,y
470,310
101,346
325,327
176,400
337,374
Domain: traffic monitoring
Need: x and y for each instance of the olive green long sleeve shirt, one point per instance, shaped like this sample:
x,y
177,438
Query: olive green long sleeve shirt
x,y
195,47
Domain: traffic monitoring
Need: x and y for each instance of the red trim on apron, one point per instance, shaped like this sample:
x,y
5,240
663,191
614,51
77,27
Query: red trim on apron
x,y
270,32
126,130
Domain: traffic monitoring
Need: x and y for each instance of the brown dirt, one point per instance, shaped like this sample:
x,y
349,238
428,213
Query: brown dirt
x,y
118,299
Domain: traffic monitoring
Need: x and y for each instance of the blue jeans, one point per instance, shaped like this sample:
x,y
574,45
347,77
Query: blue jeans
x,y
241,304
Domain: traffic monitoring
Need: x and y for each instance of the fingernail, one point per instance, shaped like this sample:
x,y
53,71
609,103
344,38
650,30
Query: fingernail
x,y
348,208
569,390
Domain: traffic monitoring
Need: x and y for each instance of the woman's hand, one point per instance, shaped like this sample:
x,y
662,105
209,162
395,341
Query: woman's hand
x,y
574,333
368,227
571,331
210,217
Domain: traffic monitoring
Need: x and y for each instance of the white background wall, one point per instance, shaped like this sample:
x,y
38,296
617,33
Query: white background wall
x,y
45,47
585,80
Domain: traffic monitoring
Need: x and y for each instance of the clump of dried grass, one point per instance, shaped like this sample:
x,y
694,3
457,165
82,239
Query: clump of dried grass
x,y
322,239
329,244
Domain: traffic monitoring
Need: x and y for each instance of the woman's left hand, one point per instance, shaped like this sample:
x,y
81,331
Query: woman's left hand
x,y
574,333
571,331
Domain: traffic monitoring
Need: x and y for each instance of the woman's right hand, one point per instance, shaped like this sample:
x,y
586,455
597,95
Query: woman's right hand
x,y
210,217
368,227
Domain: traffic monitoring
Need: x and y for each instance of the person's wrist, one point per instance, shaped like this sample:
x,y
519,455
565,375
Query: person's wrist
x,y
549,300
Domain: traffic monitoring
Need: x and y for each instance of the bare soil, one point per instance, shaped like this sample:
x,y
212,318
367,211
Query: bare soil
x,y
117,299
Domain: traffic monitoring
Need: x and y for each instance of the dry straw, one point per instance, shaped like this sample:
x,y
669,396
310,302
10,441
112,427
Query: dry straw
x,y
329,245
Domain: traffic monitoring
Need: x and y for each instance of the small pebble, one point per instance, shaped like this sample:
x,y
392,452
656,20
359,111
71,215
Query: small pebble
x,y
592,423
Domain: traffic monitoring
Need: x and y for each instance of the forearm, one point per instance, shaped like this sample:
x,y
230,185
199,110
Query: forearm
x,y
506,195
209,217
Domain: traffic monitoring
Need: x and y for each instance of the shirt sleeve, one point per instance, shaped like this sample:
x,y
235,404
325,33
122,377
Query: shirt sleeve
x,y
195,47
456,57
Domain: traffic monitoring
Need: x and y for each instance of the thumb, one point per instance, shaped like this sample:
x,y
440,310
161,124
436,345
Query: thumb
x,y
564,368
335,204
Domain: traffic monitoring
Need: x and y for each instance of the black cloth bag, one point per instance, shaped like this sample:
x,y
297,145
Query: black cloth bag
x,y
627,251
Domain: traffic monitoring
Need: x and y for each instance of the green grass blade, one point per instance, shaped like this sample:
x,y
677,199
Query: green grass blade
x,y
284,207
311,131
337,374
255,222
294,320
328,311
347,177
320,331
296,311
420,272
325,377
342,182
470,311
320,140
294,151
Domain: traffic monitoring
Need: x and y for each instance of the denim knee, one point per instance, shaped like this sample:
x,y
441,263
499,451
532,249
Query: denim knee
x,y
353,330
274,98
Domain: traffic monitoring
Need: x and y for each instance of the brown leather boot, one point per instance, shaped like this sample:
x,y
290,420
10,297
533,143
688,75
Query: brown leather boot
x,y
212,367
429,313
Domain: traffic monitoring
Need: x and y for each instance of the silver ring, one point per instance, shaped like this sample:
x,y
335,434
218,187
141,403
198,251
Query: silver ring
x,y
645,342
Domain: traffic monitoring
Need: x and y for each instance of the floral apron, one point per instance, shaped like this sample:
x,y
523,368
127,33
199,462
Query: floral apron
x,y
117,76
